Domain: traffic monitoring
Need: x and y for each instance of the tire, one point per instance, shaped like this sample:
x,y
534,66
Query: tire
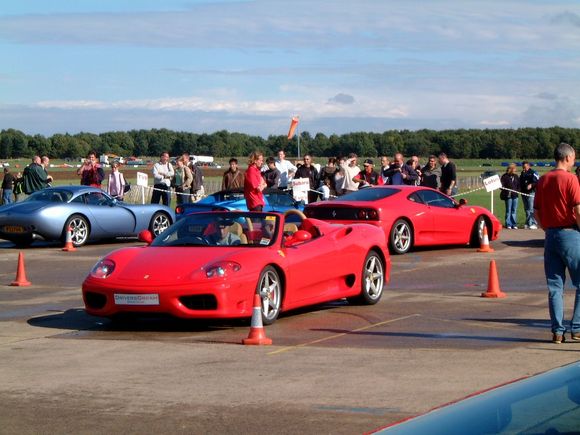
x,y
270,290
477,232
80,230
372,280
159,223
401,237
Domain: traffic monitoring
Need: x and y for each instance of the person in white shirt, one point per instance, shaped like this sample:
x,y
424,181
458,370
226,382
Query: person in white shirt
x,y
287,170
351,170
162,174
116,183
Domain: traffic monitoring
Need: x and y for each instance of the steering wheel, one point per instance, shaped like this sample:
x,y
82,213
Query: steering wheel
x,y
202,239
295,211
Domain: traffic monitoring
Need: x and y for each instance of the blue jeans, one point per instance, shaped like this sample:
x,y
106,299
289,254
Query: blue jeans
x,y
511,210
7,196
529,208
561,252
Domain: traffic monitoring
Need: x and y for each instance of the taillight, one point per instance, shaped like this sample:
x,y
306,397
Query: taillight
x,y
178,209
368,214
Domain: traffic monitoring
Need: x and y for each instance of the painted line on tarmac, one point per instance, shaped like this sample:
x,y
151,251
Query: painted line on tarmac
x,y
332,337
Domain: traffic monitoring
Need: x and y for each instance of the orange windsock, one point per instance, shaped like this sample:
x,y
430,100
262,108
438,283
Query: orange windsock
x,y
293,125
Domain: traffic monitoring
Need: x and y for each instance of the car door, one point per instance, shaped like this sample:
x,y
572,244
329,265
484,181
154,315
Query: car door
x,y
107,217
310,275
452,223
419,212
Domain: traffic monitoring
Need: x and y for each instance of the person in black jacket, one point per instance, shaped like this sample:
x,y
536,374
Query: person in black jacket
x,y
510,183
307,170
528,180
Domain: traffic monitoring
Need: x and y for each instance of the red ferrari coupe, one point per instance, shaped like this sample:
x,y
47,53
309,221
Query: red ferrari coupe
x,y
410,216
210,265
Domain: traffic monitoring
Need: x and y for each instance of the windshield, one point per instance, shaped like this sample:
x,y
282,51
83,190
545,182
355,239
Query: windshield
x,y
51,195
222,229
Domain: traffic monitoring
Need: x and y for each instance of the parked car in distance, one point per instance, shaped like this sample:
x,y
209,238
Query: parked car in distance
x,y
90,213
275,200
410,216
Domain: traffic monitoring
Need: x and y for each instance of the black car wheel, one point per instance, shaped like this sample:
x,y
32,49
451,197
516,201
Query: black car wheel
x,y
270,291
159,223
477,232
401,237
80,230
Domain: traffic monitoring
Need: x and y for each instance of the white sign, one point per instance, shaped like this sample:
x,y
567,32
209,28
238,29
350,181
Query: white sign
x,y
138,299
300,187
492,183
142,179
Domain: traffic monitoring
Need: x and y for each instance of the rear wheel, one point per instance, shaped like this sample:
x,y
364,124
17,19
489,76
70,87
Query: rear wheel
x,y
372,279
270,291
80,230
159,223
401,237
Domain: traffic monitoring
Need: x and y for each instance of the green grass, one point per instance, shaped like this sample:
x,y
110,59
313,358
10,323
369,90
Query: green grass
x,y
483,199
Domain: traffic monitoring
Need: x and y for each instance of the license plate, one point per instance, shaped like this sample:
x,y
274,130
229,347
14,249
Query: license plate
x,y
132,299
13,229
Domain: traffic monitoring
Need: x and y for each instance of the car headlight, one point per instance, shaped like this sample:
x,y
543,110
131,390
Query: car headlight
x,y
222,269
103,268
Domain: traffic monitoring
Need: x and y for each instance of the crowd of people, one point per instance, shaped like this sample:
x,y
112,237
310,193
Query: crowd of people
x,y
340,175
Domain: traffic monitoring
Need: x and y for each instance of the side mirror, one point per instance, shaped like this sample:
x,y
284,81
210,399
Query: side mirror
x,y
463,201
146,236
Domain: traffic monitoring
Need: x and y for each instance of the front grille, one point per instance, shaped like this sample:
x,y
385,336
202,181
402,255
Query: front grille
x,y
199,302
95,301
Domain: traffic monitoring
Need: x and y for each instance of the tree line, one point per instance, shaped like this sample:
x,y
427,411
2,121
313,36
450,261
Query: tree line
x,y
512,144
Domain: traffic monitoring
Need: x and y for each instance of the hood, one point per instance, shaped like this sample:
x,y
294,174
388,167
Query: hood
x,y
167,265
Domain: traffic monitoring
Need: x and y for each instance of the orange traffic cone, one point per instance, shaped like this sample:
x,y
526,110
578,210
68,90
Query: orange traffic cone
x,y
493,290
20,280
257,335
484,246
68,246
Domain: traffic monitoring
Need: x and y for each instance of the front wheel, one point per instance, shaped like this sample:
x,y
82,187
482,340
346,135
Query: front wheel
x,y
401,237
270,291
477,232
159,223
80,229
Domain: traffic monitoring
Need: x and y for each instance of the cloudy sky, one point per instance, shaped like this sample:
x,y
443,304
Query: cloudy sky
x,y
249,66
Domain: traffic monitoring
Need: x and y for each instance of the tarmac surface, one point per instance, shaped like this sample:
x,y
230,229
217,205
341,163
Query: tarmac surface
x,y
334,368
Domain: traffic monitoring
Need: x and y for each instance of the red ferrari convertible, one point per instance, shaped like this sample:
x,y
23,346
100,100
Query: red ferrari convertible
x,y
210,265
410,216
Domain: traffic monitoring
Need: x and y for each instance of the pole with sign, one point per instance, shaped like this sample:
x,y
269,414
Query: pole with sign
x,y
492,183
143,181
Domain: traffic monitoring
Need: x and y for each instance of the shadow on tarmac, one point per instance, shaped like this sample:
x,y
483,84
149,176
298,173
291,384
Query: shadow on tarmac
x,y
533,243
442,336
529,323
78,320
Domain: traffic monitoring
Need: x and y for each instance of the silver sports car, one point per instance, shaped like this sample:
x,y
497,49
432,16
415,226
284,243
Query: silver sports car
x,y
89,212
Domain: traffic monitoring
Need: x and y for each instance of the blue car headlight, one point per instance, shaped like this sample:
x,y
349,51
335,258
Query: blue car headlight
x,y
222,269
103,268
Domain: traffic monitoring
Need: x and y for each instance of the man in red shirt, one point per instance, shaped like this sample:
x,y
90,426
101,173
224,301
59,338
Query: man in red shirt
x,y
254,183
557,209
